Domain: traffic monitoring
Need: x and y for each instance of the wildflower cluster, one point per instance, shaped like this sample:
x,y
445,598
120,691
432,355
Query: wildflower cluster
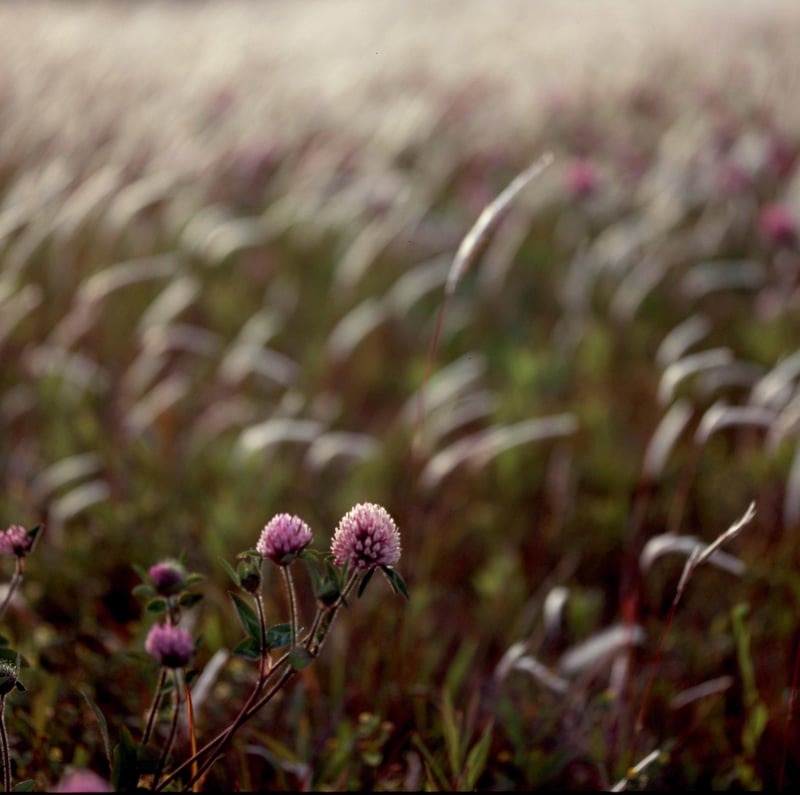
x,y
366,540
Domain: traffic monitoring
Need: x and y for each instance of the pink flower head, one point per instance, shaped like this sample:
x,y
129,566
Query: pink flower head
x,y
778,224
83,781
15,541
170,645
168,577
366,537
582,178
283,537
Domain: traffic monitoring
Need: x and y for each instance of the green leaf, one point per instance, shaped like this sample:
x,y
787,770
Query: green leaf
x,y
477,758
144,575
364,582
101,720
300,657
450,730
247,616
280,635
434,769
125,773
193,579
13,656
395,580
325,585
248,648
231,572
143,589
29,785
157,605
189,599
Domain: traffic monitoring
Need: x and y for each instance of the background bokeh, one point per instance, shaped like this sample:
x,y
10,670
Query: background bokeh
x,y
225,234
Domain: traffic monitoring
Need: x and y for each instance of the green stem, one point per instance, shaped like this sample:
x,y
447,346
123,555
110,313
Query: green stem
x,y
287,578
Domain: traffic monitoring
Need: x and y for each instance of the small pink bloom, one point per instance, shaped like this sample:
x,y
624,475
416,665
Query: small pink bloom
x,y
581,178
15,541
170,645
83,781
366,537
777,224
167,576
283,537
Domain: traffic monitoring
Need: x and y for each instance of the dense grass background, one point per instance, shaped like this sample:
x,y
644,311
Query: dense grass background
x,y
225,232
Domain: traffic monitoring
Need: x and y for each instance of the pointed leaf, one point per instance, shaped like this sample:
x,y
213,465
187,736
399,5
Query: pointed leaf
x,y
231,572
29,785
143,590
477,758
247,616
396,581
125,773
364,582
101,720
280,635
248,648
157,605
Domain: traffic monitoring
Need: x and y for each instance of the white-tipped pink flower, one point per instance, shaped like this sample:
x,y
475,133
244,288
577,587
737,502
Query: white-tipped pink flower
x,y
283,537
170,645
366,537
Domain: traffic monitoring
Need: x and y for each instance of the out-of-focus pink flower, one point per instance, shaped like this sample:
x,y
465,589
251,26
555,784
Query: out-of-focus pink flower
x,y
366,537
283,537
778,224
168,577
15,541
582,178
170,645
83,781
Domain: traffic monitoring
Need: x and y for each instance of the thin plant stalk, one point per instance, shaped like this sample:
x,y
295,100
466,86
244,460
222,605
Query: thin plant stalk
x,y
4,745
289,582
264,669
16,580
698,557
468,252
317,634
176,708
162,680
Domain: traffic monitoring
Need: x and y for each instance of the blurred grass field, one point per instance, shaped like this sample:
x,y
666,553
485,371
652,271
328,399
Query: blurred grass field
x,y
225,234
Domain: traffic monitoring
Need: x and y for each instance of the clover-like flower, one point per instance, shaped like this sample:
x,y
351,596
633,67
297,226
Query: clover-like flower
x,y
15,541
283,538
366,537
170,645
168,577
77,780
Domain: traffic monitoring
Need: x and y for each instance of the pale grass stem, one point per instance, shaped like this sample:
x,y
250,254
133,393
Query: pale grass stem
x,y
468,252
698,556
